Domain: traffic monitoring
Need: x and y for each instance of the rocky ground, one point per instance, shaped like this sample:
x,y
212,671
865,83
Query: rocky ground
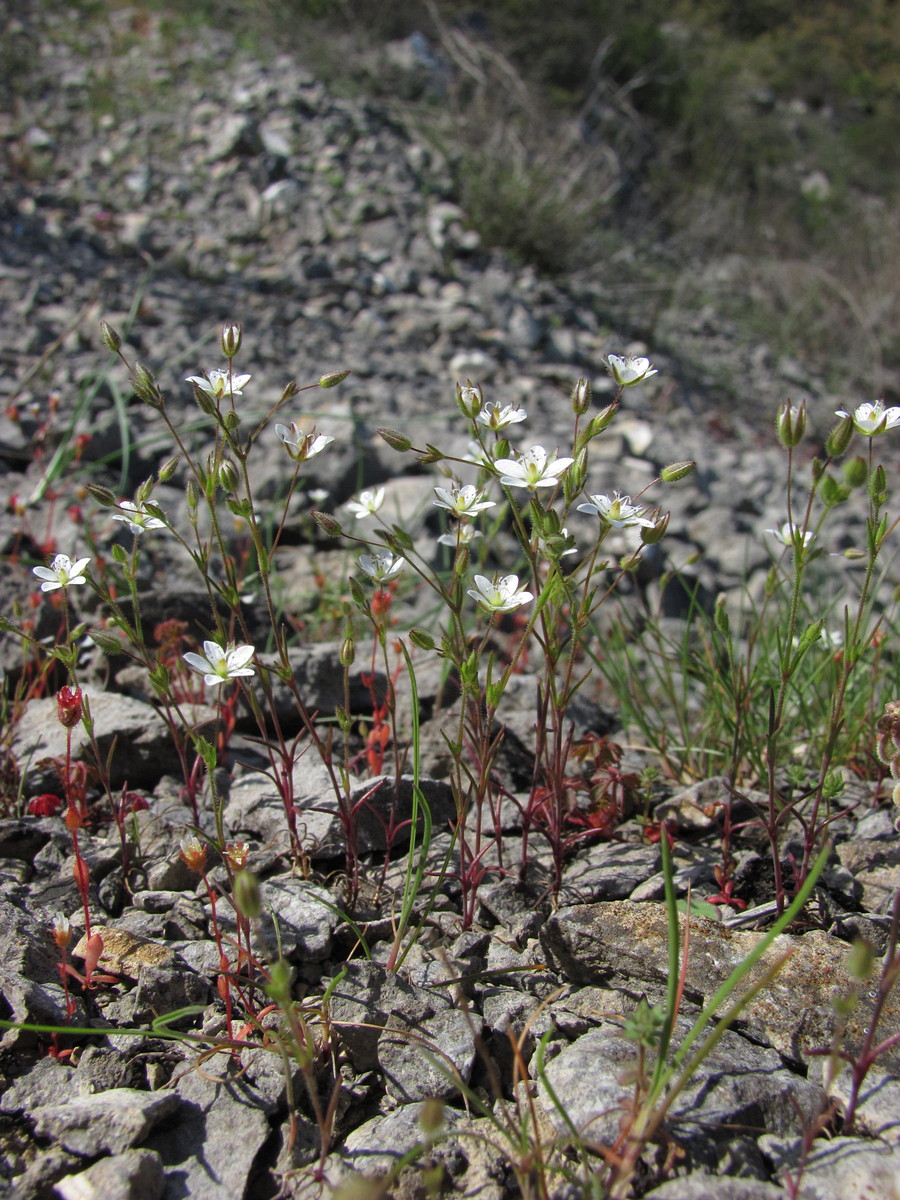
x,y
168,188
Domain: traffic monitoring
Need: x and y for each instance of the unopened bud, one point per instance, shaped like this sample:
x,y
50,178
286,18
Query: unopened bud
x,y
422,639
191,493
855,471
146,387
228,476
167,470
790,424
62,931
193,853
69,706
469,398
279,985
327,523
861,959
581,397
396,441
348,652
111,339
878,486
656,534
839,439
676,471
230,339
333,378
107,642
102,494
247,895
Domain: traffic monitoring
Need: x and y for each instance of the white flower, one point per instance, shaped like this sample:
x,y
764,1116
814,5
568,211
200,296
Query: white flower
x,y
629,370
532,469
499,594
871,419
61,573
299,445
218,384
368,503
470,398
477,454
137,518
496,417
462,535
617,511
789,533
220,664
464,501
382,565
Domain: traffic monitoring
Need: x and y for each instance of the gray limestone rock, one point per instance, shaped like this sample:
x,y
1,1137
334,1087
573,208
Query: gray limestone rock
x,y
107,1122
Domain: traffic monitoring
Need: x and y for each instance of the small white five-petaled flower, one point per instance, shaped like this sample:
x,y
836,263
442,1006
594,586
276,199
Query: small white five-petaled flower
x,y
464,501
871,419
500,593
368,503
216,664
218,384
299,445
789,533
629,370
617,511
532,469
496,417
463,535
137,518
61,573
382,565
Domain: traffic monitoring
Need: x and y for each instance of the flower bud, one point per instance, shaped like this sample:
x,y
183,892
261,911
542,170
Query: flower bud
x,y
861,959
101,494
396,441
228,476
581,397
232,420
651,536
422,639
167,470
62,931
193,853
348,652
878,486
602,419
111,339
855,471
790,424
146,387
69,706
327,523
469,398
230,339
107,642
191,493
290,391
333,378
279,985
247,896
839,439
676,471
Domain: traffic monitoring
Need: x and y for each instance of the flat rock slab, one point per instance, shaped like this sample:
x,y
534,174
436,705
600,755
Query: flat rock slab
x,y
222,1124
595,943
106,1123
144,748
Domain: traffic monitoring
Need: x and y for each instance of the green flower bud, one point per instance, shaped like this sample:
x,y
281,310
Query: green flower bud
x,y
839,439
469,398
878,486
396,441
246,894
348,652
790,424
144,490
651,536
327,523
855,471
191,492
861,959
228,476
107,642
581,397
167,470
333,378
279,986
676,471
289,392
111,339
232,420
146,387
230,339
422,639
101,494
